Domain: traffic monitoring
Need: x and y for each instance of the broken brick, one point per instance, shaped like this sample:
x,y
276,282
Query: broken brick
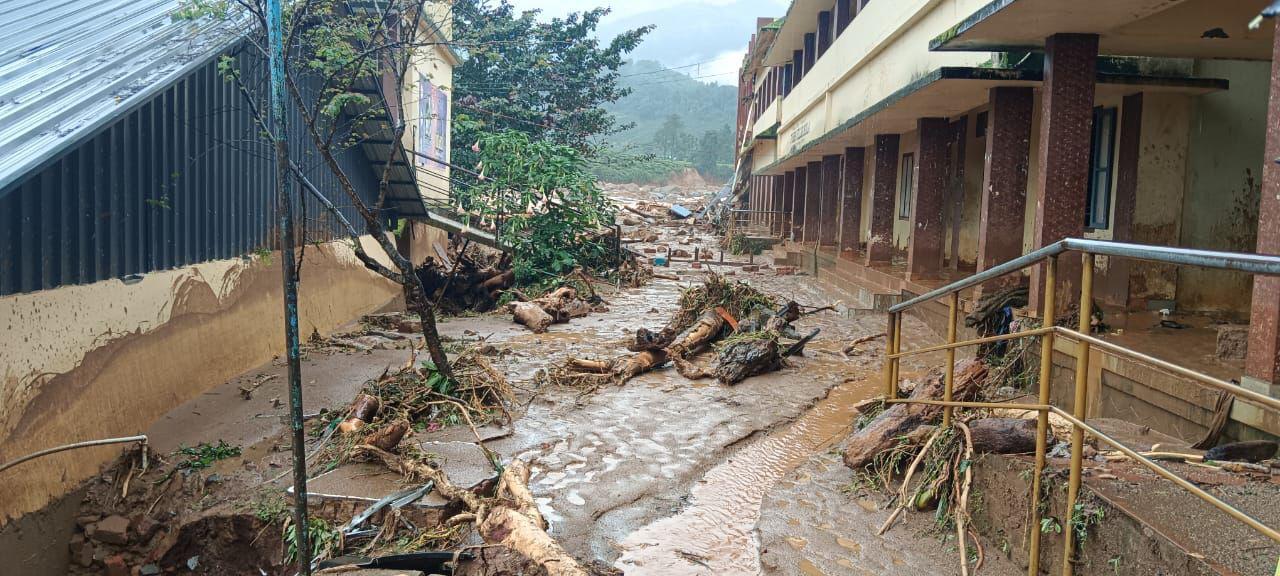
x,y
113,529
115,566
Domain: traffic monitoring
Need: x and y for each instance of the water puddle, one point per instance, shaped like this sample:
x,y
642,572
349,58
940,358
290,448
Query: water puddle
x,y
718,528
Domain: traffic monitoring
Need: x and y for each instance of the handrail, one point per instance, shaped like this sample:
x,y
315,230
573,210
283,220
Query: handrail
x,y
1240,262
1257,264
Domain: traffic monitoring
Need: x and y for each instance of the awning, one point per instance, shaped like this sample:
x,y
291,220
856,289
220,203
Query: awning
x,y
948,92
1164,28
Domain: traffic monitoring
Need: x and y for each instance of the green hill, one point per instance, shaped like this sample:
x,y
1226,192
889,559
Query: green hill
x,y
682,121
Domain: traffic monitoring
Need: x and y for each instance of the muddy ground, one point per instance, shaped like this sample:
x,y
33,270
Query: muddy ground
x,y
658,476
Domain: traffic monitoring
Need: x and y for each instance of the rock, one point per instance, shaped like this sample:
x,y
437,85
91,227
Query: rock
x,y
149,570
81,551
115,566
113,529
1233,342
145,528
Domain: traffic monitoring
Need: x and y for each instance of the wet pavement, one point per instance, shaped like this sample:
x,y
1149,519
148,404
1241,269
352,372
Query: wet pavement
x,y
661,475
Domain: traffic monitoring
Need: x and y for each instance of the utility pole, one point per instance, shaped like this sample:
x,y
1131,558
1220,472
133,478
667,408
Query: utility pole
x,y
284,213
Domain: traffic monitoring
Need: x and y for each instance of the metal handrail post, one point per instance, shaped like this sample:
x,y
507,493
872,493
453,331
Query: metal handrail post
x,y
1078,409
1042,419
897,347
890,334
948,383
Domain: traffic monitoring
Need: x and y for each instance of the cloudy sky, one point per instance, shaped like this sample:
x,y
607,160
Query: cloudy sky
x,y
706,37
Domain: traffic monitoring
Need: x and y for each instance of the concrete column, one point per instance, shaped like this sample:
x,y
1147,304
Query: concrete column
x,y
830,226
851,198
924,251
1004,180
798,208
844,15
884,186
1263,363
1066,130
775,219
824,32
813,202
1113,286
788,191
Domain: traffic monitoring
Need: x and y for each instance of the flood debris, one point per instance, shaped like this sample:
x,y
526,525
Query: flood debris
x,y
708,314
883,432
466,277
555,307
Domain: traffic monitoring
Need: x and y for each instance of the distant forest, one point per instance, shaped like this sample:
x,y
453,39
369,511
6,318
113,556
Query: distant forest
x,y
679,123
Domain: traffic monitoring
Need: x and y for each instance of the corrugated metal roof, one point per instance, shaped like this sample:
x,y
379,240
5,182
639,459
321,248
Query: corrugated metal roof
x,y
69,66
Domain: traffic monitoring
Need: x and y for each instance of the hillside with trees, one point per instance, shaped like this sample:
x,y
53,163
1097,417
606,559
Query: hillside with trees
x,y
671,122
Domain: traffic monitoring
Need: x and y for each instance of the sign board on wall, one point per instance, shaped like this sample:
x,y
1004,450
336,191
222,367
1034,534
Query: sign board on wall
x,y
433,125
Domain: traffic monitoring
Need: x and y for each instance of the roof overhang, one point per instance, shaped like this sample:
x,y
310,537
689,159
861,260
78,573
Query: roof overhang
x,y
800,17
1160,28
951,91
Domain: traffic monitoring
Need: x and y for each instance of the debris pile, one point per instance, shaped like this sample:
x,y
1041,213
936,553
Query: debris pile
x,y
708,314
555,307
466,277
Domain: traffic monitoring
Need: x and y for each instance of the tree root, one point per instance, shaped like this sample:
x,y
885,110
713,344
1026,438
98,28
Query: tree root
x,y
509,517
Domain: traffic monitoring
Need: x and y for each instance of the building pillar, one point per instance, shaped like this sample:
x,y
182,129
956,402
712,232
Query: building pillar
x,y
851,198
1004,180
775,219
798,207
1066,133
830,227
1263,362
813,202
788,189
884,185
924,251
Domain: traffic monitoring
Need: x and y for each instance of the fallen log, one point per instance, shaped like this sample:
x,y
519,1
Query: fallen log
x,y
884,431
1003,435
531,316
509,517
745,358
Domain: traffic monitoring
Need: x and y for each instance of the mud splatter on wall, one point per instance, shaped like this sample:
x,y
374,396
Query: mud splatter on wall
x,y
107,359
1228,131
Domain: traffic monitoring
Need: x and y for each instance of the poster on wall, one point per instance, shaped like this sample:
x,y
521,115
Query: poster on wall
x,y
433,125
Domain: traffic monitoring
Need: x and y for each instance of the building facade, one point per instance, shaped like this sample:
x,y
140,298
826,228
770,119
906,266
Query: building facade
x,y
138,262
920,141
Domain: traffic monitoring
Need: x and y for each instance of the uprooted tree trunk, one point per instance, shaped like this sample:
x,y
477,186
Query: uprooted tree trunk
x,y
508,517
899,420
555,307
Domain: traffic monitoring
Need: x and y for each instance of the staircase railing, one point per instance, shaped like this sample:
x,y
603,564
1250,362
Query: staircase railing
x,y
1047,257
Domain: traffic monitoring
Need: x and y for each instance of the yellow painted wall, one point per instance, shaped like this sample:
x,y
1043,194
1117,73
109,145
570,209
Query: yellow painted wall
x,y
882,50
107,359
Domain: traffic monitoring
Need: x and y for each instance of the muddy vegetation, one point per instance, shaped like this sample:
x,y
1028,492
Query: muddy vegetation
x,y
708,318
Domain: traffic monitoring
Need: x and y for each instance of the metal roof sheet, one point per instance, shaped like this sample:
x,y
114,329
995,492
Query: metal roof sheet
x,y
67,67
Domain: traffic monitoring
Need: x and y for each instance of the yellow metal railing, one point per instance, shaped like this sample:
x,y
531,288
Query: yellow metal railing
x,y
1048,257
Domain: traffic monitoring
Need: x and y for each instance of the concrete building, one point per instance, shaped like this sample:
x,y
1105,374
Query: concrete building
x,y
136,230
919,141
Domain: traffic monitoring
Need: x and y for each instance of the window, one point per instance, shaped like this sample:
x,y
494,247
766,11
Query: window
x,y
906,185
1101,167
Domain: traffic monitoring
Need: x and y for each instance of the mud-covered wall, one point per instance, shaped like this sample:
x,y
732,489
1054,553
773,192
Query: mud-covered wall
x,y
1220,209
1162,167
108,359
910,144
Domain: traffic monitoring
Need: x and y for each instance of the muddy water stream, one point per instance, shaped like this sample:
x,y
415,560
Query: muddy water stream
x,y
716,533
